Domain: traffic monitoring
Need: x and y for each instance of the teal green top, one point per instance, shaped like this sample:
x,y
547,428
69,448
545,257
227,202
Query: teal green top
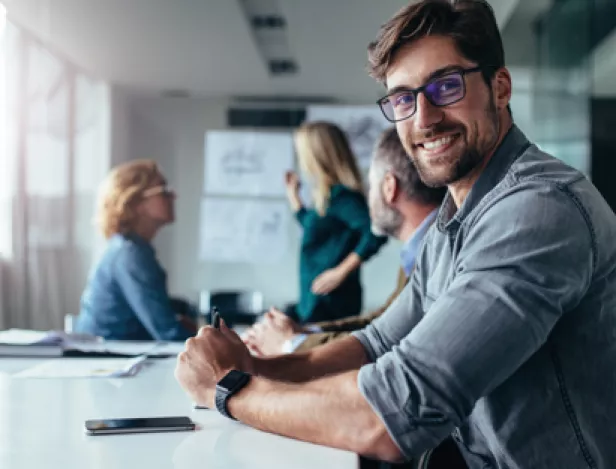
x,y
327,241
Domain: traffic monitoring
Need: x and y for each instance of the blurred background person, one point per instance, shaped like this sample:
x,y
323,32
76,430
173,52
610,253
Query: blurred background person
x,y
336,237
126,295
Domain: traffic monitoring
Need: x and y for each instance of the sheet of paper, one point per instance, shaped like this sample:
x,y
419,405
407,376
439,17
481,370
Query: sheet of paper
x,y
362,124
24,337
31,337
135,348
84,368
247,163
250,231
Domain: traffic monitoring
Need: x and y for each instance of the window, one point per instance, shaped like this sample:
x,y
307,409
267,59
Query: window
x,y
5,199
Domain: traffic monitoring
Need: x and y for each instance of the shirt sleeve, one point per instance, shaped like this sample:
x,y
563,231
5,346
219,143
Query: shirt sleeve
x,y
302,216
402,315
523,264
144,284
351,208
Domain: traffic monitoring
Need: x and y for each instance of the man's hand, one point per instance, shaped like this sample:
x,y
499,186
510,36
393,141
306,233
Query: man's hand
x,y
268,336
328,281
208,357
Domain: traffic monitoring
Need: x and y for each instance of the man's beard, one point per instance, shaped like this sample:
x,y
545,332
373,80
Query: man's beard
x,y
386,221
439,172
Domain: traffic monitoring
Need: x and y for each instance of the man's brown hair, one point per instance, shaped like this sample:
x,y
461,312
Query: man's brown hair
x,y
470,23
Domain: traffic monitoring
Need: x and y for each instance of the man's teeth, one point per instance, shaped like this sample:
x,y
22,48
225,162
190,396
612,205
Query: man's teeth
x,y
437,143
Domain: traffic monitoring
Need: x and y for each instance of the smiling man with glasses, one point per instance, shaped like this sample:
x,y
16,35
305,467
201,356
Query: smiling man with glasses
x,y
504,337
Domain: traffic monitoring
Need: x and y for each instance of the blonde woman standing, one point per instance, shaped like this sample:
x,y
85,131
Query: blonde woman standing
x,y
336,233
126,296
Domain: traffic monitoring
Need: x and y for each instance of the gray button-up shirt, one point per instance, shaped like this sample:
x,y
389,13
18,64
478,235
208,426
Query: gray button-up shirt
x,y
506,333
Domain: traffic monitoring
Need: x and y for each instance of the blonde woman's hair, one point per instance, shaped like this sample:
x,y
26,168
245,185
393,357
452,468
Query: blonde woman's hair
x,y
118,192
324,153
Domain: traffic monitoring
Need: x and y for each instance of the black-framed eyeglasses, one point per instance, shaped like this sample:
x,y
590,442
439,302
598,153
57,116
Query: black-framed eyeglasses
x,y
443,90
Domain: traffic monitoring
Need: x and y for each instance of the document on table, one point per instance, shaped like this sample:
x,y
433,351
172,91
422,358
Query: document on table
x,y
132,348
85,368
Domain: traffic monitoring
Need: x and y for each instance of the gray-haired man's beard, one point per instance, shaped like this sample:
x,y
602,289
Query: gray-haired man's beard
x,y
377,231
386,221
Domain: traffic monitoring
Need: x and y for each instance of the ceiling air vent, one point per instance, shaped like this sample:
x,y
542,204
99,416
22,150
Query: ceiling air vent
x,y
270,31
268,22
279,67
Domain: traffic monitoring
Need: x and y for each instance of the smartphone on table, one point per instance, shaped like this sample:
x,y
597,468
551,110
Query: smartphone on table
x,y
138,425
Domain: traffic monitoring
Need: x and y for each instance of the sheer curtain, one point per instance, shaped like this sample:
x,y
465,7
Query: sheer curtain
x,y
54,152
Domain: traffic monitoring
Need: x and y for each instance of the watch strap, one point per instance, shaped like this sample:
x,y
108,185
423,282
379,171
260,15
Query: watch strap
x,y
221,403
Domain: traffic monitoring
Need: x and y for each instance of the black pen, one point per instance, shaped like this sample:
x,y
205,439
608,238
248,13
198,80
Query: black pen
x,y
215,318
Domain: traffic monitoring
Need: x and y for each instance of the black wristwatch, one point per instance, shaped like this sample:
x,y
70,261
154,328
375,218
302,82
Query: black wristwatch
x,y
227,387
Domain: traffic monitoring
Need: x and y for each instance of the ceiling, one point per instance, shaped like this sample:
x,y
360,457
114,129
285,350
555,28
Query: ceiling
x,y
206,47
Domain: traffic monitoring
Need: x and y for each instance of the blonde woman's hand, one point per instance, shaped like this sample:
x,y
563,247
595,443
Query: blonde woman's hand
x,y
292,182
328,281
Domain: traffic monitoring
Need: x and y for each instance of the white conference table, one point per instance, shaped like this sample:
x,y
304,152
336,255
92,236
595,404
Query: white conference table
x,y
42,419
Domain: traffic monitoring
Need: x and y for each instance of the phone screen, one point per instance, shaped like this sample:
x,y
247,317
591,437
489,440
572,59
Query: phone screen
x,y
138,425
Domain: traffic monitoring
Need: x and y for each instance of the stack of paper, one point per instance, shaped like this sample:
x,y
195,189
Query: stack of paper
x,y
26,343
85,368
22,342
127,348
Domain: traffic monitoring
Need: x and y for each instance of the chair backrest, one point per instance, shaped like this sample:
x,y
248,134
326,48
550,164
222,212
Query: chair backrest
x,y
234,306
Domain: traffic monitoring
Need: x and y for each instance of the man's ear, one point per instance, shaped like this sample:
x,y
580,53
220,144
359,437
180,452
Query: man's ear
x,y
501,87
390,188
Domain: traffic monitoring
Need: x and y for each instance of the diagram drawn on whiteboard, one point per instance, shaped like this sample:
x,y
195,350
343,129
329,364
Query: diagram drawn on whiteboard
x,y
243,230
247,163
241,161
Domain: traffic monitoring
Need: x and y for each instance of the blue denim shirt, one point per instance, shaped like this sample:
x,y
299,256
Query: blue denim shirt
x,y
126,295
505,336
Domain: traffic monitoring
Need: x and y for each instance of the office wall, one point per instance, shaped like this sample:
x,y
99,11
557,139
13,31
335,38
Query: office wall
x,y
171,131
120,109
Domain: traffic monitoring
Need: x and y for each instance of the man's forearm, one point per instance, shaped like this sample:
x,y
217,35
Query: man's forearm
x,y
319,339
335,357
329,411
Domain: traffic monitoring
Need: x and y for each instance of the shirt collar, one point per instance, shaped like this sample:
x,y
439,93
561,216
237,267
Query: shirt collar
x,y
513,145
411,247
137,240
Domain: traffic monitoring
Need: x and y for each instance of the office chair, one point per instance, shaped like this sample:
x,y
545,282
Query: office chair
x,y
235,307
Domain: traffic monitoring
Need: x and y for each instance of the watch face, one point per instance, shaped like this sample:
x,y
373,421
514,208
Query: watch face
x,y
233,380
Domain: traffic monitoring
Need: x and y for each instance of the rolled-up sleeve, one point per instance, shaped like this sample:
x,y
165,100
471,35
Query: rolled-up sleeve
x,y
526,261
395,323
302,216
